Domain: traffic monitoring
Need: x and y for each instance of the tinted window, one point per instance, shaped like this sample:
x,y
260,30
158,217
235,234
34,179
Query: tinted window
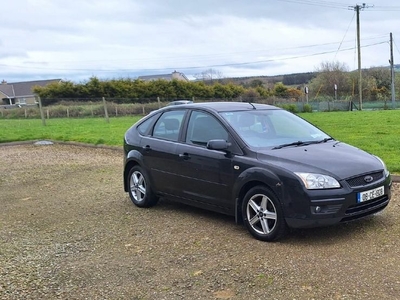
x,y
203,127
145,126
168,126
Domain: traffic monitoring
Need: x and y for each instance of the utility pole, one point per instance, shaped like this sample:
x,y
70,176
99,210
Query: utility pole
x,y
357,8
392,71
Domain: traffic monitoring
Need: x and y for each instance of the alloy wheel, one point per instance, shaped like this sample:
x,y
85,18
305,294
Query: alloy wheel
x,y
261,214
138,186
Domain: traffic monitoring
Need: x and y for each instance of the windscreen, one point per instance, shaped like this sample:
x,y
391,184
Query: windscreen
x,y
273,128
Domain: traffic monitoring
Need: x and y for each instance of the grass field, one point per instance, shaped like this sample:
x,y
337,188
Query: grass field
x,y
87,130
377,132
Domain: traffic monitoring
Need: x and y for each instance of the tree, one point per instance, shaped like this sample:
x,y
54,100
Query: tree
x,y
201,90
329,75
95,88
382,76
294,94
250,95
209,75
256,83
280,90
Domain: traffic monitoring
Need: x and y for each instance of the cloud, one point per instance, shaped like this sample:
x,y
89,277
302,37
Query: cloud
x,y
121,38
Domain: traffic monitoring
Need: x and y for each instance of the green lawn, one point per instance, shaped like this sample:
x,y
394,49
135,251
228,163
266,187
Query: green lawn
x,y
88,130
377,132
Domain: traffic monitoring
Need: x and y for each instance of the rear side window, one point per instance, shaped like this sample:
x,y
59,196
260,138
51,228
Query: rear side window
x,y
145,126
169,125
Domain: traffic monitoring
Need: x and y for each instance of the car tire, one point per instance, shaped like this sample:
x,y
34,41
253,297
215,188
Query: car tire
x,y
263,215
139,187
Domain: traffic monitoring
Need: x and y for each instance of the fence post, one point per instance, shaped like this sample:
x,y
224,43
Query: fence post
x,y
48,114
159,104
67,112
105,110
26,114
41,111
116,111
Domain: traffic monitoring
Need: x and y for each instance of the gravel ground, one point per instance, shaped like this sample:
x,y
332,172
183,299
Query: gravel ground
x,y
68,231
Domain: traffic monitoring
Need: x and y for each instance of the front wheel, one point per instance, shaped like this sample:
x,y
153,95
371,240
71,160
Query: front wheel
x,y
140,190
263,215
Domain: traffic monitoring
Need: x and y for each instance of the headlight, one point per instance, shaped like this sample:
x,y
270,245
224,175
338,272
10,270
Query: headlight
x,y
384,166
314,181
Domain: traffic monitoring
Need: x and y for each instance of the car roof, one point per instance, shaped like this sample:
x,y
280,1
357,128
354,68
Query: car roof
x,y
229,106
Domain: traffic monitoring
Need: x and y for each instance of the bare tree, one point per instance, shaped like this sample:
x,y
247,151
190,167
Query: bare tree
x,y
209,75
331,75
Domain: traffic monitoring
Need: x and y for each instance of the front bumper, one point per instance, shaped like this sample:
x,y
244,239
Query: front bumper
x,y
325,211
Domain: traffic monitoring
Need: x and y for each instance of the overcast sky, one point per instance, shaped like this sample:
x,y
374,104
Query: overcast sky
x,y
75,40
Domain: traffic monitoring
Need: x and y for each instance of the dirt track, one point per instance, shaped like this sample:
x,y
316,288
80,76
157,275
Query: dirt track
x,y
68,231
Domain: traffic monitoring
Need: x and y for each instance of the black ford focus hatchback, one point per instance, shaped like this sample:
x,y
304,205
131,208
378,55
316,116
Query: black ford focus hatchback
x,y
267,167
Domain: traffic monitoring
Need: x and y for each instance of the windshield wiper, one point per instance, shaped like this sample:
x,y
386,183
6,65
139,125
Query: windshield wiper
x,y
301,143
321,141
325,140
298,143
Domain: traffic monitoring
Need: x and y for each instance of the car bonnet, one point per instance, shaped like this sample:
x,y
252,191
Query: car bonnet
x,y
336,159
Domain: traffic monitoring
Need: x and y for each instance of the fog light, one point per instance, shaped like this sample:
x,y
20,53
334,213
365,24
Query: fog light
x,y
318,209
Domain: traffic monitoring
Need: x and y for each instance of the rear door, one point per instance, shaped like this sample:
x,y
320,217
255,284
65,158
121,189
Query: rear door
x,y
160,151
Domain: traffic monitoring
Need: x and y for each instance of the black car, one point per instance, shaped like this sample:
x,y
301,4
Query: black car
x,y
264,165
179,102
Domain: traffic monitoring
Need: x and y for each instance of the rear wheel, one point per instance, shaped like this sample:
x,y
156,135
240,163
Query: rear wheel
x,y
140,190
263,215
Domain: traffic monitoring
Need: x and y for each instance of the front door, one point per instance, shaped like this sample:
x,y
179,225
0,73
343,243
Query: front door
x,y
205,175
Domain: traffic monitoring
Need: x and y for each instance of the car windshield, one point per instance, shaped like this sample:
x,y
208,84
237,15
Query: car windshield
x,y
274,129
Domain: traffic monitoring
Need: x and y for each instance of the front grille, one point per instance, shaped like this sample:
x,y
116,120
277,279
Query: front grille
x,y
363,209
359,181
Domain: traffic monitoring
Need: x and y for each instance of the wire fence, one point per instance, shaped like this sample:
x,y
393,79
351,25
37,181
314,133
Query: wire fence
x,y
96,109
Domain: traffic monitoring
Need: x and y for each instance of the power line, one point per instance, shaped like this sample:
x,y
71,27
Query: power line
x,y
357,8
386,8
338,5
394,42
329,4
200,67
345,35
208,56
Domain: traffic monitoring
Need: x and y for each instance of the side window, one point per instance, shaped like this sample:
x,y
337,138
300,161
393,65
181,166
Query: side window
x,y
145,126
169,124
203,127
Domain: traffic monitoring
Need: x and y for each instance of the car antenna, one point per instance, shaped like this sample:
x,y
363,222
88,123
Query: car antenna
x,y
252,105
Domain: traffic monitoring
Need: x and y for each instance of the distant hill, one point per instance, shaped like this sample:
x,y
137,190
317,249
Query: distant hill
x,y
287,79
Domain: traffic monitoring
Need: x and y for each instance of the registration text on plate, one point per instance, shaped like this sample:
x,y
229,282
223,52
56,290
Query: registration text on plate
x,y
371,194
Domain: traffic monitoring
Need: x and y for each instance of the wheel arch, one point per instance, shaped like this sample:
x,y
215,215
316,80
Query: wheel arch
x,y
251,178
133,158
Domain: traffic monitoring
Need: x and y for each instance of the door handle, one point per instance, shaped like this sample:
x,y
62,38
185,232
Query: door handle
x,y
146,148
185,156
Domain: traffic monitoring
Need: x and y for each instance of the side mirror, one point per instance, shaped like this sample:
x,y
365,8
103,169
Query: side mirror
x,y
220,145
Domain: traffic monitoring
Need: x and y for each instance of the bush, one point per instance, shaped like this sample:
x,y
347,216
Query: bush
x,y
307,108
290,107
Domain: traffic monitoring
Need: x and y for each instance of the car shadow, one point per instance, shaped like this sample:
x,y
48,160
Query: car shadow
x,y
169,205
356,229
320,235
